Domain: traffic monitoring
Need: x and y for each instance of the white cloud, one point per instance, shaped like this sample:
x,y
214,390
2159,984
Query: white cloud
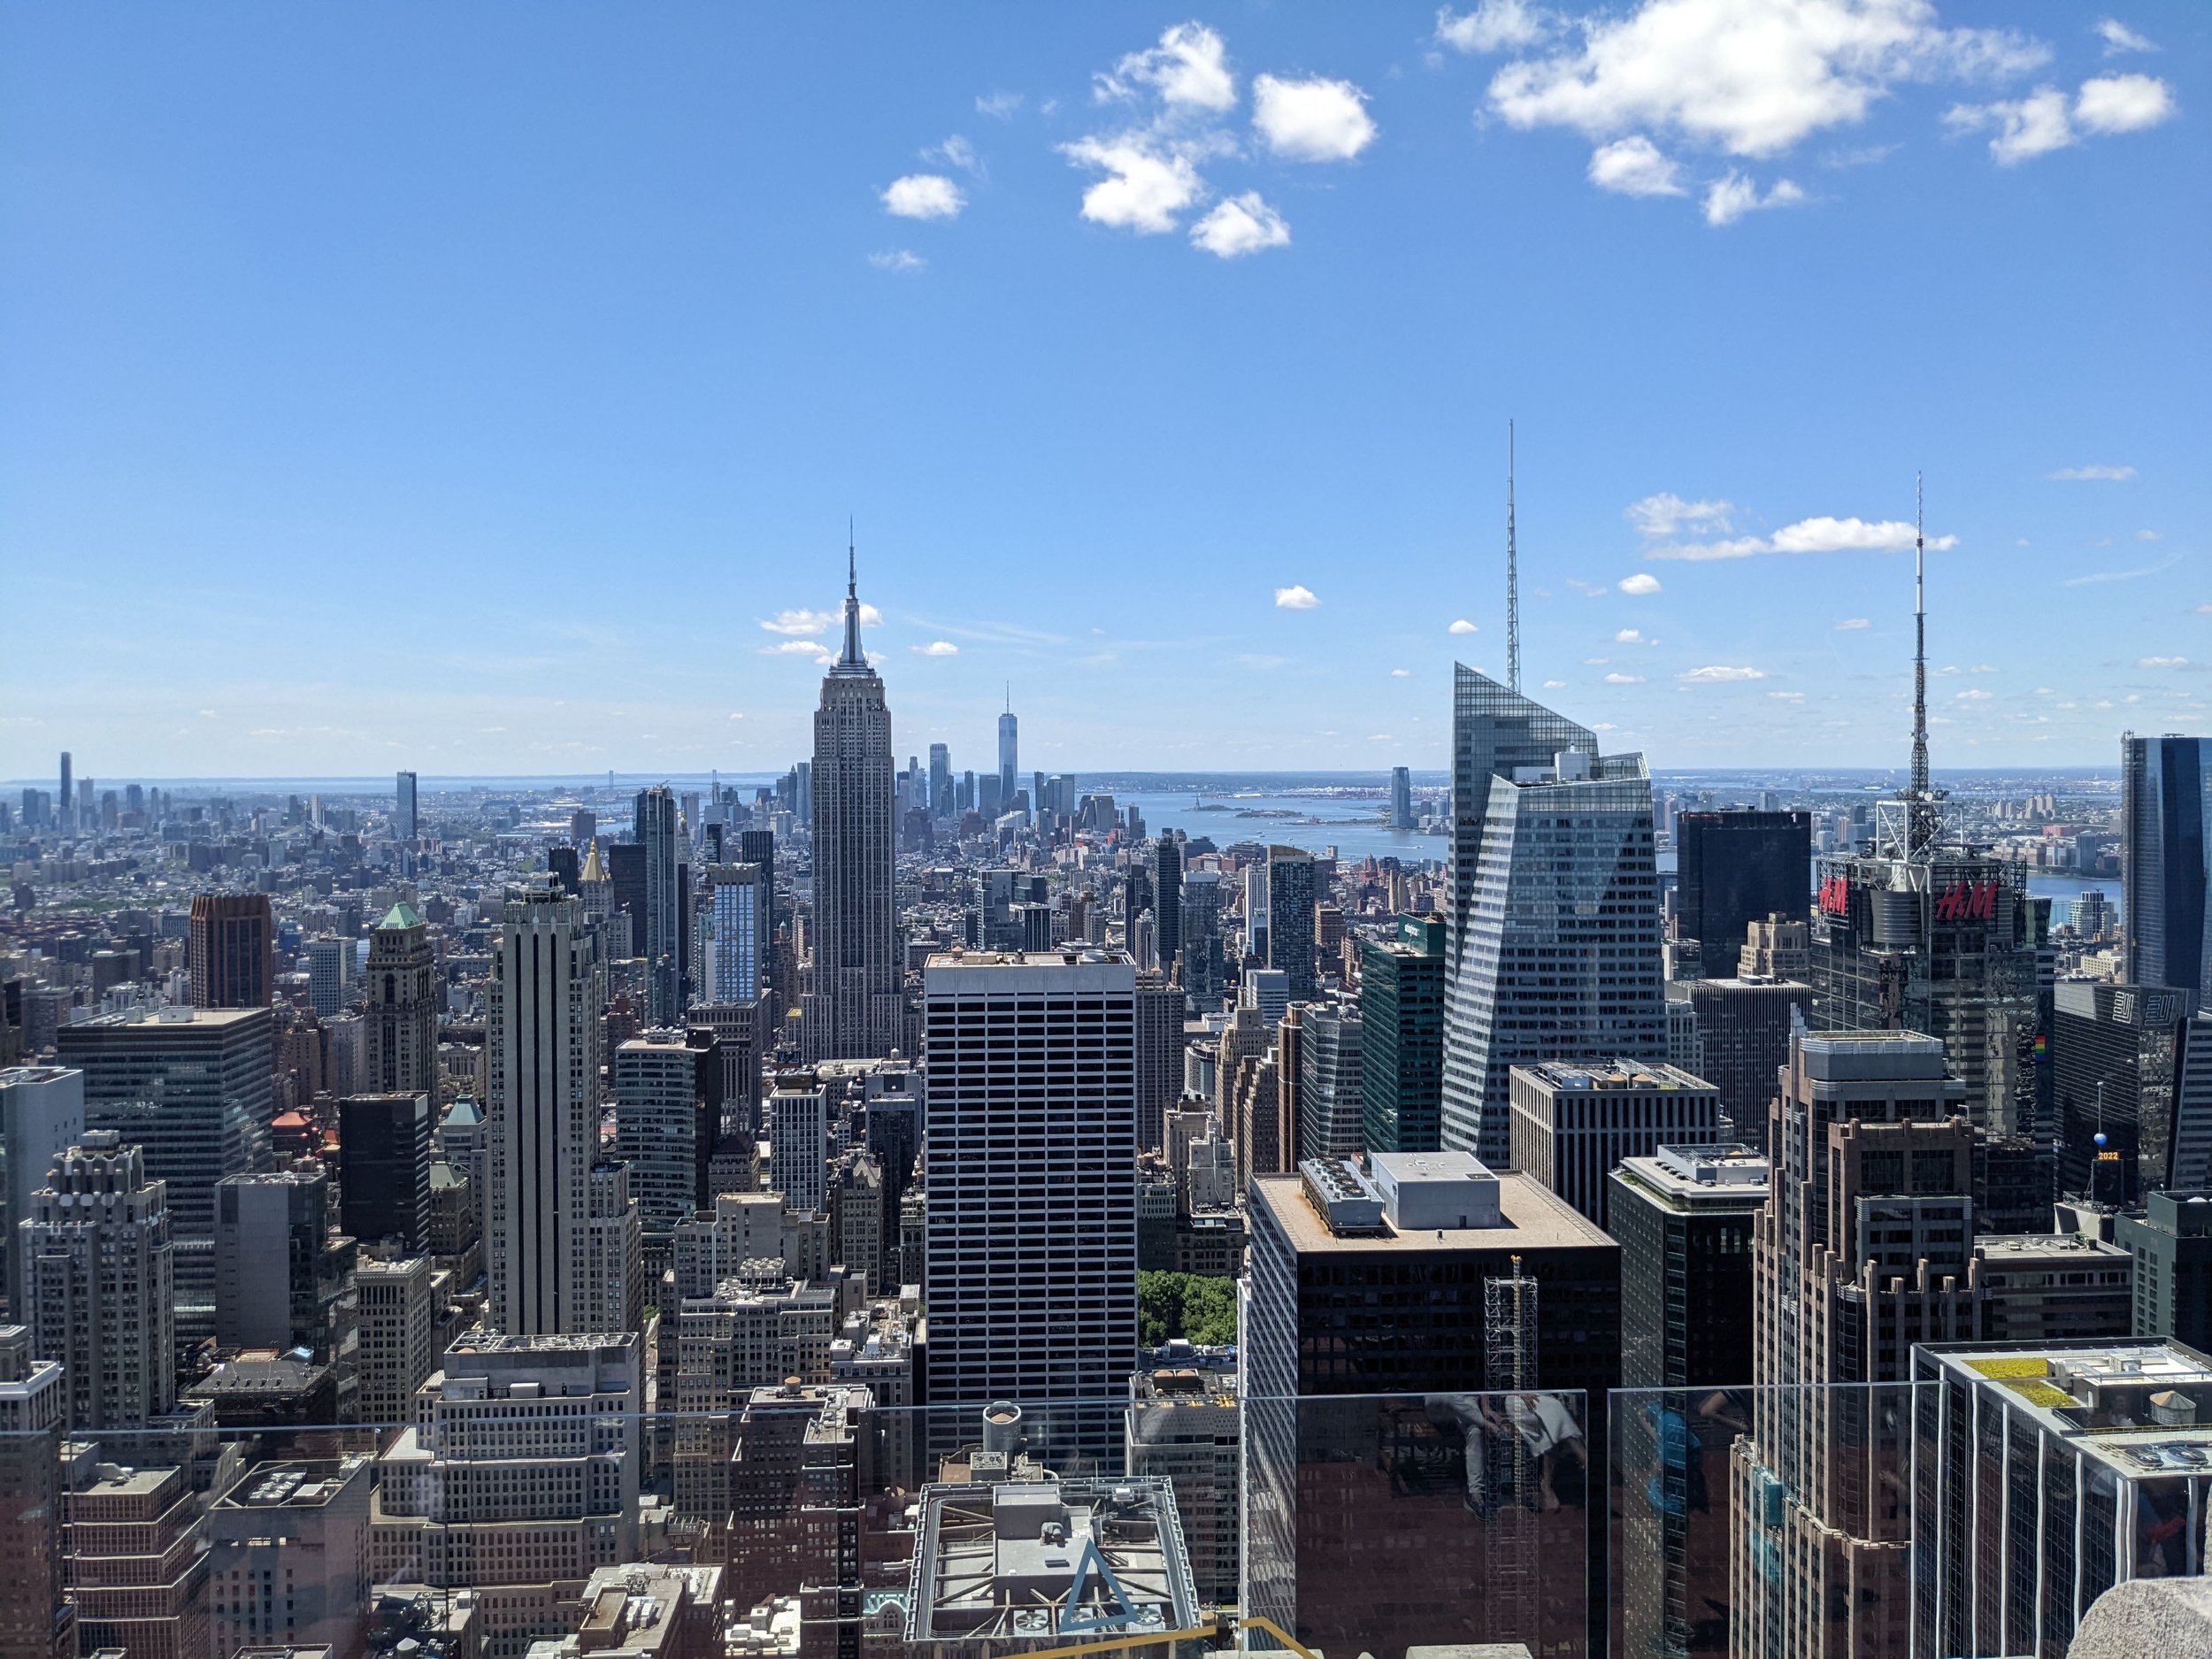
x,y
1974,696
2150,535
1630,636
998,105
1851,624
2045,121
1786,696
1554,684
800,622
2097,474
797,648
1492,26
1588,590
2026,127
935,648
1750,77
1640,585
1721,676
1624,679
901,259
2161,661
1296,597
2119,38
1634,166
1728,199
924,196
1810,535
2123,103
737,717
870,617
1242,225
1311,121
1401,673
1146,186
1666,514
1188,70
956,152
1461,625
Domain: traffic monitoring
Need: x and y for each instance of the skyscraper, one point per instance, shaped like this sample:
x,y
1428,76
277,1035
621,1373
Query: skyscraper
x,y
1866,1134
796,1128
733,936
1735,868
1199,922
1009,757
1401,798
2165,783
101,1277
1290,900
41,1116
191,1087
855,1011
1331,1045
35,1620
282,1278
658,940
1560,953
406,826
233,949
1167,899
1032,1129
941,802
542,1035
660,1118
1401,1029
1743,1038
68,802
1929,933
400,1016
2117,1064
384,1167
1574,1121
1494,731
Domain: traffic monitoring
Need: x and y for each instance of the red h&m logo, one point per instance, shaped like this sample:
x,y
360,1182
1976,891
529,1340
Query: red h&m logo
x,y
1835,895
1967,901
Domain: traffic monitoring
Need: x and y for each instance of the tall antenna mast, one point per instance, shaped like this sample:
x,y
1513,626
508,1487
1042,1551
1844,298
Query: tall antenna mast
x,y
1920,814
1512,578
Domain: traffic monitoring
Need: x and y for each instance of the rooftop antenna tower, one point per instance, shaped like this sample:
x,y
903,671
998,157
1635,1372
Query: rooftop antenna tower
x,y
1512,578
1920,818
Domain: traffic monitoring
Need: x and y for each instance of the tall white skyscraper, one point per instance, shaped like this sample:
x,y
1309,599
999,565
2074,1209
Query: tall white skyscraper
x,y
797,1123
101,1284
855,1011
1032,1128
542,1111
1498,735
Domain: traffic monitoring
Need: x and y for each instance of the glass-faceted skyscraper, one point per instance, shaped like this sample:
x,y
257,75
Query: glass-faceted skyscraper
x,y
1554,923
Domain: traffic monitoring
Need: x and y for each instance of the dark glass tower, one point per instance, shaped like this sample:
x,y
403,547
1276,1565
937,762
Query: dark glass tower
x,y
2163,812
1737,868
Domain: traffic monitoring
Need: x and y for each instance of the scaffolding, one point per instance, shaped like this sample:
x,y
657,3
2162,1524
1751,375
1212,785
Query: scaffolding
x,y
1509,1464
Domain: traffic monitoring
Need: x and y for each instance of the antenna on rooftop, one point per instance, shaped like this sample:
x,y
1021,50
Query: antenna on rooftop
x,y
1512,578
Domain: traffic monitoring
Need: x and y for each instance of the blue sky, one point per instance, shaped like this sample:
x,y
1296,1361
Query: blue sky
x,y
485,389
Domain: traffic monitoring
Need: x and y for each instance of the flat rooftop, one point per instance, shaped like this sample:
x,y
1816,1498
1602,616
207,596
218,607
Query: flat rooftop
x,y
308,1485
1613,1075
2145,1409
1535,1218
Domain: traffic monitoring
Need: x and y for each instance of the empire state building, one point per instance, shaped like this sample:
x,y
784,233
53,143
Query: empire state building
x,y
855,1011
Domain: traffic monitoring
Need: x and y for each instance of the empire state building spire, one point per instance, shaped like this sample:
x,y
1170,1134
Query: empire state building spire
x,y
854,657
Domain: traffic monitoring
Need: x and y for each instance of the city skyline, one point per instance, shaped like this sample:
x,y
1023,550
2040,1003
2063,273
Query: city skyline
x,y
1107,464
